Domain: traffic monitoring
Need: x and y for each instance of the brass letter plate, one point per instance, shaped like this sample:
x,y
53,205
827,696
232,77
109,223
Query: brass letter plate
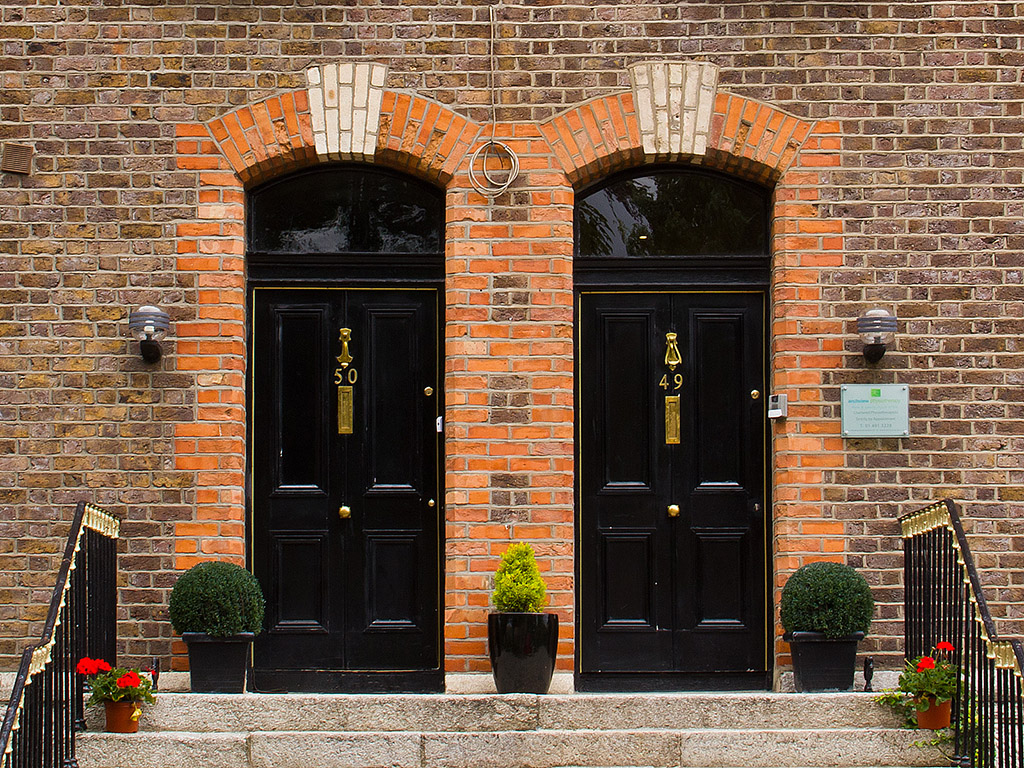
x,y
345,410
671,419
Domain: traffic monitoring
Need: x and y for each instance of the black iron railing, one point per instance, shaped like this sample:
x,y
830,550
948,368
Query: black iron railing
x,y
46,706
944,601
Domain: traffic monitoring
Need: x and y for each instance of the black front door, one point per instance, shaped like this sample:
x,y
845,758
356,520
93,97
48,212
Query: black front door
x,y
672,490
345,491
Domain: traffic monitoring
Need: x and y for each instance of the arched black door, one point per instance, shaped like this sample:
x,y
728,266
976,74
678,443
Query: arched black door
x,y
671,275
345,282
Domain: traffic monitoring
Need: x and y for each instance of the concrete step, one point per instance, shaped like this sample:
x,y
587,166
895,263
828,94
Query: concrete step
x,y
523,712
709,748
660,730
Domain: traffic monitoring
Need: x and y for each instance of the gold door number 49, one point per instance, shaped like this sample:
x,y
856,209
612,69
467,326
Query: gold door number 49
x,y
675,384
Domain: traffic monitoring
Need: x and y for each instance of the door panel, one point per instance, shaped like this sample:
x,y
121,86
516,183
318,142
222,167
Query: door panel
x,y
390,397
672,551
628,601
345,519
394,568
626,404
301,570
718,410
719,580
298,364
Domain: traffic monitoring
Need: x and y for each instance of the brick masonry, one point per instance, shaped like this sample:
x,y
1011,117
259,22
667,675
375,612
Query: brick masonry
x,y
891,135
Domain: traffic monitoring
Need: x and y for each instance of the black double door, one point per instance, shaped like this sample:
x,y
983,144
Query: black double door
x,y
345,491
672,490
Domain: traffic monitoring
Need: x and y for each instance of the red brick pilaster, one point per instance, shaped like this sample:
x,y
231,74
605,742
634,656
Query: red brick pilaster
x,y
509,389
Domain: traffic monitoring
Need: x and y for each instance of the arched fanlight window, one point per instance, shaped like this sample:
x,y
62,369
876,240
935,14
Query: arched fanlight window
x,y
345,210
672,212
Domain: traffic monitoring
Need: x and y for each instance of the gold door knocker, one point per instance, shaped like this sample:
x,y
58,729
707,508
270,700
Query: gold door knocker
x,y
345,358
344,378
672,356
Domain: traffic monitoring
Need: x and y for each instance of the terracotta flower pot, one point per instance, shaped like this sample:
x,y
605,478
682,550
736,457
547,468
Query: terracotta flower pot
x,y
122,716
936,716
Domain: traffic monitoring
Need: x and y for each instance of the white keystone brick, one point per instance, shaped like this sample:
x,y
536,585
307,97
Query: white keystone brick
x,y
345,101
675,102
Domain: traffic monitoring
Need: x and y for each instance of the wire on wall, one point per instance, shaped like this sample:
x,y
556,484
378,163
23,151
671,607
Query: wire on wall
x,y
499,164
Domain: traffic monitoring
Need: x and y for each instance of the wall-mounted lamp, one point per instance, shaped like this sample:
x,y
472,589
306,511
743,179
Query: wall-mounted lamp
x,y
149,325
877,329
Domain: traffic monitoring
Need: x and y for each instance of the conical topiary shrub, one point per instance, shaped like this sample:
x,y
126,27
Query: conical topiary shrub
x,y
518,585
523,642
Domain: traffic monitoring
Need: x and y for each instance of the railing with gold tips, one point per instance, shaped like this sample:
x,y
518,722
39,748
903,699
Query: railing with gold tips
x,y
46,705
943,601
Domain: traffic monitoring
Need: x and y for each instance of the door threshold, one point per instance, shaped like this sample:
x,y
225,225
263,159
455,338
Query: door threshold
x,y
666,682
334,681
482,684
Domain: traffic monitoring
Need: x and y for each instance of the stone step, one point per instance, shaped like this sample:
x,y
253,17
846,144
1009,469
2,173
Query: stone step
x,y
473,713
655,748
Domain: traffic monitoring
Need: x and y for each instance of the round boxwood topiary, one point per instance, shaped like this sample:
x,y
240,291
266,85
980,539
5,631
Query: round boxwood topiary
x,y
218,598
830,598
518,586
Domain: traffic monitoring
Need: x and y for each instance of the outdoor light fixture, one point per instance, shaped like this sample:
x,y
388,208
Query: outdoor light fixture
x,y
149,325
877,329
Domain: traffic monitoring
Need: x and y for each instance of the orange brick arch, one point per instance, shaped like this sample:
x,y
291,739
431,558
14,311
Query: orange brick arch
x,y
423,137
275,136
268,138
748,138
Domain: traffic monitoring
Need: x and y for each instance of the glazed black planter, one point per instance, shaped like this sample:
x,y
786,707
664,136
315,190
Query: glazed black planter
x,y
217,664
523,647
821,663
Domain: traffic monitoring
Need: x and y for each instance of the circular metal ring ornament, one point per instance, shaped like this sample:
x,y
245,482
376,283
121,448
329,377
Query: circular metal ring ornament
x,y
491,185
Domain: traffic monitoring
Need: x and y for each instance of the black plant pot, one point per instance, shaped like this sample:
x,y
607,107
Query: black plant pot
x,y
821,663
217,664
523,648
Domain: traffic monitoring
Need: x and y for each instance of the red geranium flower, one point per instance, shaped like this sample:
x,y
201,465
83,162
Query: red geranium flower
x,y
944,646
926,662
128,680
87,666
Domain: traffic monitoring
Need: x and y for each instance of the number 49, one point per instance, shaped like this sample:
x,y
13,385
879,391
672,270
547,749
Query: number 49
x,y
675,385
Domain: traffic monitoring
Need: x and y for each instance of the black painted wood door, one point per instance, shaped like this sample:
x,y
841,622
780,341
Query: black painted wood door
x,y
346,396
672,489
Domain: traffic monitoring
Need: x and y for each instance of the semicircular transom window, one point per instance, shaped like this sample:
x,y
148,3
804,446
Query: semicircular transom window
x,y
672,212
337,210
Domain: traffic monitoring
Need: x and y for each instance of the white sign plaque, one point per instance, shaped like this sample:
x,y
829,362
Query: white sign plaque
x,y
875,410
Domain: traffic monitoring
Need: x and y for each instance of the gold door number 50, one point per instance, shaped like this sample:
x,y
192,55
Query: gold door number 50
x,y
340,376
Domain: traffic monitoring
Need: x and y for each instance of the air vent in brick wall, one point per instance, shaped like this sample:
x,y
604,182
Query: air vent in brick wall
x,y
17,158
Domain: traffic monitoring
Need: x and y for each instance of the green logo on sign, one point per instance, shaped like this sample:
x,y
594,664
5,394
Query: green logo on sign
x,y
876,393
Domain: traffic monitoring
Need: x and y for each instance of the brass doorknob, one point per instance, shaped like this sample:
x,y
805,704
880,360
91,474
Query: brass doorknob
x,y
345,512
755,394
430,503
673,510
